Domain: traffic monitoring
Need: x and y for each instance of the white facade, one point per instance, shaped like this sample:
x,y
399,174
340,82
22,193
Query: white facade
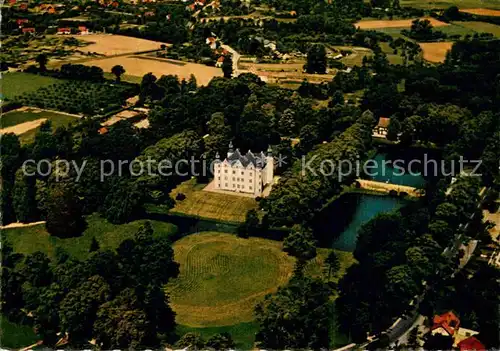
x,y
248,173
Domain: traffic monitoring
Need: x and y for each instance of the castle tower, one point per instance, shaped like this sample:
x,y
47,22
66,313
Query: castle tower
x,y
269,165
230,151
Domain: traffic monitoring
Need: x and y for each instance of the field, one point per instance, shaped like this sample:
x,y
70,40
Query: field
x,y
25,122
27,240
211,205
15,336
435,52
18,83
482,12
480,27
78,96
109,45
140,65
223,276
443,4
406,23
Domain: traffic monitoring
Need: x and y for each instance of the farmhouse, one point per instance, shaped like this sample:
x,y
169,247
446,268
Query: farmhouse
x,y
61,31
212,42
220,61
382,127
248,173
446,324
28,30
83,30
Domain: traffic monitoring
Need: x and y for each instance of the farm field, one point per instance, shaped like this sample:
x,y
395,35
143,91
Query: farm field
x,y
109,44
443,4
480,27
140,65
483,11
435,52
211,205
223,276
25,122
405,23
27,240
15,336
19,83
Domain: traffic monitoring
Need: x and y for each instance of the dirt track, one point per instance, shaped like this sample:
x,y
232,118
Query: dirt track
x,y
22,128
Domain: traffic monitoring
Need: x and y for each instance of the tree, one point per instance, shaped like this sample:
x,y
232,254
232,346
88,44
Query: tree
x,y
298,316
438,342
413,343
123,202
94,245
332,261
393,130
316,59
118,70
24,198
227,66
191,341
221,341
300,243
42,61
64,212
251,225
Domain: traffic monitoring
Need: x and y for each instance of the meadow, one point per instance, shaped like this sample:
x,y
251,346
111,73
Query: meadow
x,y
405,23
205,204
27,240
14,335
25,122
480,27
19,83
443,4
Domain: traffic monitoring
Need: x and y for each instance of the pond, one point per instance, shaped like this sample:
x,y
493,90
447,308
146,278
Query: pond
x,y
394,175
338,224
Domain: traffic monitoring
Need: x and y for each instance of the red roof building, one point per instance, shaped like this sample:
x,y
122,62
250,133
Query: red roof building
x,y
471,344
102,130
20,21
445,324
12,2
63,30
28,30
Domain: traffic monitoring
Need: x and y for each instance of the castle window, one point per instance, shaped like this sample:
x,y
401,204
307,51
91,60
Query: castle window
x,y
233,179
218,171
238,186
250,173
225,177
234,185
225,171
250,187
242,187
242,173
226,184
249,180
234,172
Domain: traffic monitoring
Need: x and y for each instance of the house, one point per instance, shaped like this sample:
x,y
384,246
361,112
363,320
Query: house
x,y
28,30
23,6
83,30
12,2
212,42
220,61
21,21
248,173
382,127
471,344
62,31
102,130
446,324
149,14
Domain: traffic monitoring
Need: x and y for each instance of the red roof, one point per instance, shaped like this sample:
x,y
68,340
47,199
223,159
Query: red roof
x,y
471,344
63,29
82,28
449,321
28,30
383,122
12,2
21,20
103,130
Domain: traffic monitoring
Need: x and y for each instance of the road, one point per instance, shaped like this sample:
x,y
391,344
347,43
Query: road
x,y
236,58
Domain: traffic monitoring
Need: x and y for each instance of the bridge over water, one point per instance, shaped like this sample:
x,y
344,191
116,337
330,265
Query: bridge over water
x,y
383,187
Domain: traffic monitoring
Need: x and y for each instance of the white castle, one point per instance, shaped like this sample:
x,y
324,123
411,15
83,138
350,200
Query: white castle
x,y
248,173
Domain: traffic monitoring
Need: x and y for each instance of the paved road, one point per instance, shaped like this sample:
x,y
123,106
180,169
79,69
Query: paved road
x,y
236,59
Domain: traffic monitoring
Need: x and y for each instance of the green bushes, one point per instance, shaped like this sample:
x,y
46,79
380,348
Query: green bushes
x,y
78,96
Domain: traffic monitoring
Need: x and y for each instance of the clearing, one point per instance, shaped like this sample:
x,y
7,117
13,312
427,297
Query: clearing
x,y
222,277
27,240
15,336
140,65
435,52
480,27
19,83
406,23
26,121
110,44
482,12
205,204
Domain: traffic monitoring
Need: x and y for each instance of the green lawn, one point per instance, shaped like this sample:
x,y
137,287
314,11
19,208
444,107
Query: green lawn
x,y
454,29
443,4
243,334
15,117
27,240
15,336
480,27
19,83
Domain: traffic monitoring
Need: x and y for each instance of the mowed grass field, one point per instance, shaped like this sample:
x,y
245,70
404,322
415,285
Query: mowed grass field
x,y
110,44
19,83
480,27
27,240
25,123
211,205
222,278
482,11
